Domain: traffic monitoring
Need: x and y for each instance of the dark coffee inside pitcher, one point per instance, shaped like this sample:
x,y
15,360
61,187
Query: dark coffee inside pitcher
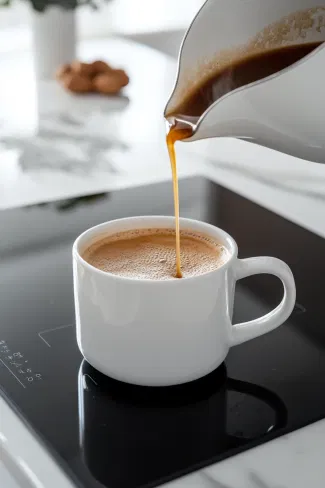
x,y
243,72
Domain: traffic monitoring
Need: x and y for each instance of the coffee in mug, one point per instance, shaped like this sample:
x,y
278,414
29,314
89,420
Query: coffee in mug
x,y
150,254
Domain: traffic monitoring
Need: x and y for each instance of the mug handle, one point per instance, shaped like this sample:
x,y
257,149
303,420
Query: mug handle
x,y
246,267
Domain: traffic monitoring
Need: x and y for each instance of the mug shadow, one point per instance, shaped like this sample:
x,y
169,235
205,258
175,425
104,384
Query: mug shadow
x,y
134,436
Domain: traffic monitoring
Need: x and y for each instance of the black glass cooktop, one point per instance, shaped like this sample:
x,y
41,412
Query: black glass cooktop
x,y
108,434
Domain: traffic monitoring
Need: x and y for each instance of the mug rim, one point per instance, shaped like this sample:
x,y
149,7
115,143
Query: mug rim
x,y
228,242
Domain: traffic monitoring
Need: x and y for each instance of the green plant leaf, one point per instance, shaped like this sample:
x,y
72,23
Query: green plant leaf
x,y
41,5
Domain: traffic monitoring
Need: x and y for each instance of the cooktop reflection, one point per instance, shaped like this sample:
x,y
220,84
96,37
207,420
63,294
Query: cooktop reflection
x,y
108,434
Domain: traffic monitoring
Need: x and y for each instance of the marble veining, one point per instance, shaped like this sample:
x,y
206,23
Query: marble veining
x,y
212,482
253,480
64,142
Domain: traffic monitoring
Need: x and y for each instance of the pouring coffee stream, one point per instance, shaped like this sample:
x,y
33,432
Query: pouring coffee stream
x,y
246,71
176,133
269,93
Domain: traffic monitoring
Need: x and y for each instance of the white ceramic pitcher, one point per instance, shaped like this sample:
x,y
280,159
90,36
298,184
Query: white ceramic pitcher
x,y
285,111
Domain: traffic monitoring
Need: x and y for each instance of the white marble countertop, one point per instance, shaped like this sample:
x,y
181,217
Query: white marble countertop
x,y
53,146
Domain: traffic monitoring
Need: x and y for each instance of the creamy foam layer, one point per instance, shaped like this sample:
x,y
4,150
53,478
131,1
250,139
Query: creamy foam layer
x,y
150,254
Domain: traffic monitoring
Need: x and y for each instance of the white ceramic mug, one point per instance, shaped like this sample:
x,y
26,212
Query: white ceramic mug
x,y
160,333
